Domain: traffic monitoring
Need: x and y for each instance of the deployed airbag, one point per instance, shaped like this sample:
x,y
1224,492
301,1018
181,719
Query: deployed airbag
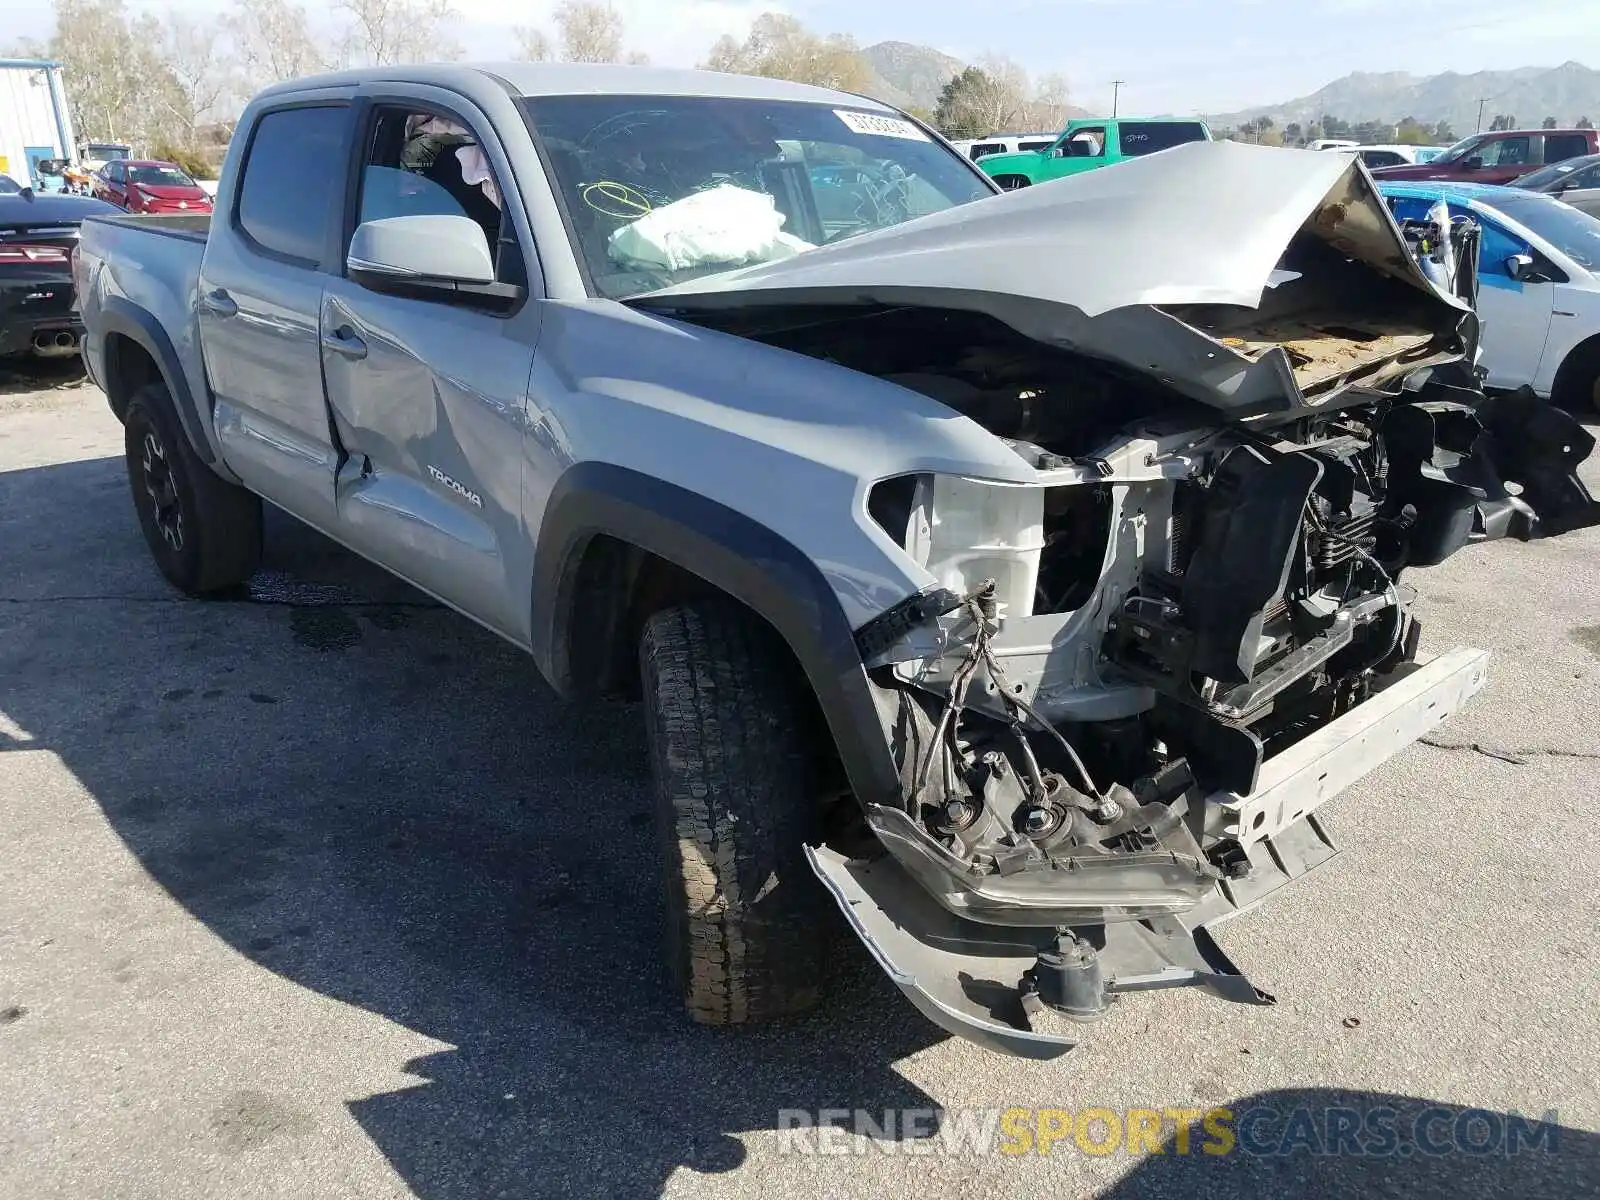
x,y
724,225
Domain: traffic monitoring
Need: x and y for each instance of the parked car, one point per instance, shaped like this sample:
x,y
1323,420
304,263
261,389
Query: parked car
x,y
38,232
1032,617
141,186
1576,181
1393,156
1092,142
1005,143
1538,285
1500,156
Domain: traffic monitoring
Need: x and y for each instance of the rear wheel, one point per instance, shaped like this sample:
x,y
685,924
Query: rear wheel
x,y
737,798
203,532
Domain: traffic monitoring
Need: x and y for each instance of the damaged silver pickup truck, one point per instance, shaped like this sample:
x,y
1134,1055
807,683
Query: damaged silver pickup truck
x,y
1026,568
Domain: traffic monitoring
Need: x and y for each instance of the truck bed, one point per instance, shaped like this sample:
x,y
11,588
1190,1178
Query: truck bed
x,y
146,264
192,227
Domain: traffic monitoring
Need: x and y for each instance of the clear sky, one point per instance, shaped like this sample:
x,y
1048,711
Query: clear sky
x,y
1176,55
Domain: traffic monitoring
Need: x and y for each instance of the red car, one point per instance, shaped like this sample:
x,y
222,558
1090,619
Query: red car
x,y
149,187
1499,156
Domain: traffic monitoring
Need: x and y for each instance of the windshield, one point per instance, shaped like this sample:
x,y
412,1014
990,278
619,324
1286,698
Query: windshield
x,y
160,176
1576,234
1545,176
659,190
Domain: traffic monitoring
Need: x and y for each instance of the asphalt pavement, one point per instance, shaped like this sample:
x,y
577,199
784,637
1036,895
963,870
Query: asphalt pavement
x,y
320,892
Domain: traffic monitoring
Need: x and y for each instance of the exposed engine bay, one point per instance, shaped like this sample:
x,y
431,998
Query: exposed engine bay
x,y
1131,683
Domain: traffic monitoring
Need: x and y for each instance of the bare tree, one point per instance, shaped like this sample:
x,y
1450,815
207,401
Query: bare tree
x,y
271,42
1048,106
991,97
381,32
532,44
118,86
194,51
591,31
780,47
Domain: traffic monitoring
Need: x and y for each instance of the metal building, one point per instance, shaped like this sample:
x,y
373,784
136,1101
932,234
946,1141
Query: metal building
x,y
34,119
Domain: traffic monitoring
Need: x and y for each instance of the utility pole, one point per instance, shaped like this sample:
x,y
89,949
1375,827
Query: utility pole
x,y
1116,93
1482,100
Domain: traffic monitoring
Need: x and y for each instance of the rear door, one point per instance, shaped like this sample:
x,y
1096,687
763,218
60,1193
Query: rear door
x,y
260,300
1558,147
428,396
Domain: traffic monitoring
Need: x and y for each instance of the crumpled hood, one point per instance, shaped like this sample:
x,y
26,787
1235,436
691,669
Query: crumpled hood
x,y
1088,262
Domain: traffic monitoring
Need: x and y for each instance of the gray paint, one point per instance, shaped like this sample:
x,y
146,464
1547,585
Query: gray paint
x,y
476,454
427,246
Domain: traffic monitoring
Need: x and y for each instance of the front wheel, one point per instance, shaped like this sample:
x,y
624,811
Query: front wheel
x,y
1577,387
737,799
203,532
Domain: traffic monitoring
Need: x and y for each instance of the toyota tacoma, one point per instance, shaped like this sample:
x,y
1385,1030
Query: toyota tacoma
x,y
1020,572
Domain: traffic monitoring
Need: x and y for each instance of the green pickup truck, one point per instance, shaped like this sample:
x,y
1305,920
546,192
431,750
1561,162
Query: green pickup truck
x,y
1091,142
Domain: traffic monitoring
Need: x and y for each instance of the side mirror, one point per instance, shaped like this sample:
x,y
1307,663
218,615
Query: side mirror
x,y
426,256
1472,164
1059,152
1520,267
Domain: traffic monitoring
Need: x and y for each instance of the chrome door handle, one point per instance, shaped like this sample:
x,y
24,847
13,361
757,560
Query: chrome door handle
x,y
218,303
343,341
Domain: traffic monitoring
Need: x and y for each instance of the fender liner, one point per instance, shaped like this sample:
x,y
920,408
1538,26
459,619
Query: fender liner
x,y
734,554
119,316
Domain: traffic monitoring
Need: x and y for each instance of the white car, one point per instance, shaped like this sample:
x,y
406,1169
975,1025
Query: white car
x,y
1538,285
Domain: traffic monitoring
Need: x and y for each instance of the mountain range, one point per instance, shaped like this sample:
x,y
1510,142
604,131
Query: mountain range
x,y
1529,94
910,76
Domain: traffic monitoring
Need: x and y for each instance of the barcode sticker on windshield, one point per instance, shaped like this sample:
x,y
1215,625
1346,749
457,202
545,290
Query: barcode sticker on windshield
x,y
860,122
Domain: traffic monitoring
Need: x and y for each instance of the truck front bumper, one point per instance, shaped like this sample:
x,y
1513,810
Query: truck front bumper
x,y
972,979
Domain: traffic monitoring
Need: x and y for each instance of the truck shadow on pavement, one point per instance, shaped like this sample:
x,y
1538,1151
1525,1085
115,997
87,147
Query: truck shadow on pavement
x,y
1331,1142
374,798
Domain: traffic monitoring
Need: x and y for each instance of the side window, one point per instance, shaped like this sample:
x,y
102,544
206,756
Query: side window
x,y
1381,158
983,148
1508,152
1086,143
423,163
1587,178
292,172
1138,138
1558,147
114,172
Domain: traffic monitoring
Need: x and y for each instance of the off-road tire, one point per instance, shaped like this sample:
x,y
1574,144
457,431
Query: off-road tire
x,y
737,798
204,532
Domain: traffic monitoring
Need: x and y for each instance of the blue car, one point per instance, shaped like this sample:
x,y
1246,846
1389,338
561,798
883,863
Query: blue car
x,y
1538,284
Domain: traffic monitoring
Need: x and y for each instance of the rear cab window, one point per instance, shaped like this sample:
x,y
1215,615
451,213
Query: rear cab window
x,y
1138,138
293,176
1559,146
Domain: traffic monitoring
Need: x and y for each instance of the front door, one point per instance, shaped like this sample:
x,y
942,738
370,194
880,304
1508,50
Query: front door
x,y
260,299
1515,315
429,397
